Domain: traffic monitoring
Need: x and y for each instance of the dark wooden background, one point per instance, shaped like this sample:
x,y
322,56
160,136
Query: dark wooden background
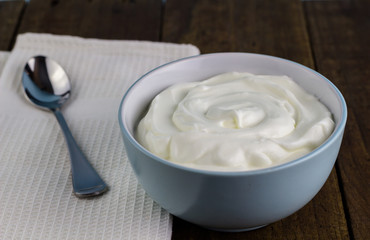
x,y
331,36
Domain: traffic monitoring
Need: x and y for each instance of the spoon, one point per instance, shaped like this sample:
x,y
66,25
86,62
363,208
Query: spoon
x,y
46,85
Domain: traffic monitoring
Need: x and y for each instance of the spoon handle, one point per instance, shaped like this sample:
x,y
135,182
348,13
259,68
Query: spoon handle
x,y
86,181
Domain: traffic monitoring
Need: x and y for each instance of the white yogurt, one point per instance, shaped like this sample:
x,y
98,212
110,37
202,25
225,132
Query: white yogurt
x,y
234,122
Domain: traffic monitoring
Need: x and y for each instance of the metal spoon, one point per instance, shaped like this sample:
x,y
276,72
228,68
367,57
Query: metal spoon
x,y
47,85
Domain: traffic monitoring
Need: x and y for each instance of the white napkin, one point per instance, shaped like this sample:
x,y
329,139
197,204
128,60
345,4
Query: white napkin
x,y
3,57
36,199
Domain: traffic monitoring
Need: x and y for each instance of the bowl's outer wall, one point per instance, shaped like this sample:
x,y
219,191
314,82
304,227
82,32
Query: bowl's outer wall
x,y
230,201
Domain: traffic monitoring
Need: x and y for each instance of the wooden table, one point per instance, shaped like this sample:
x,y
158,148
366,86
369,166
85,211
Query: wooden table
x,y
330,36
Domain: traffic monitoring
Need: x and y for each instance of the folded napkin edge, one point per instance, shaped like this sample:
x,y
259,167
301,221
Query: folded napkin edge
x,y
78,40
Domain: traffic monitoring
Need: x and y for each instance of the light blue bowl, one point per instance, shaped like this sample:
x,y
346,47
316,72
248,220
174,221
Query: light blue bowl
x,y
230,201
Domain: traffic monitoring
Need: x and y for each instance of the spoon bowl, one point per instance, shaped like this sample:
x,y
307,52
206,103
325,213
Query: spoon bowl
x,y
45,83
47,86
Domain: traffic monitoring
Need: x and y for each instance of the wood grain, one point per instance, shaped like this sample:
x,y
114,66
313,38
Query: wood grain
x,y
267,27
270,27
340,33
10,14
109,19
331,36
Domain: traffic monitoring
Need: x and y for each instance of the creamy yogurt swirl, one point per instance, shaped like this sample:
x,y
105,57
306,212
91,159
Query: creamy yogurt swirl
x,y
234,122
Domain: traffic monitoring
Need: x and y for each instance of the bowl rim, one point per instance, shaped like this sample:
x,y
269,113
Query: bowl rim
x,y
339,129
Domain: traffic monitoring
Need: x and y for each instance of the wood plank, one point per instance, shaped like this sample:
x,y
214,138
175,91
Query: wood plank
x,y
106,19
340,38
10,12
268,27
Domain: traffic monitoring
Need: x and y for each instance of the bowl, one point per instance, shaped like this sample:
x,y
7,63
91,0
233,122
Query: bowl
x,y
230,201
